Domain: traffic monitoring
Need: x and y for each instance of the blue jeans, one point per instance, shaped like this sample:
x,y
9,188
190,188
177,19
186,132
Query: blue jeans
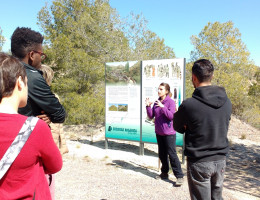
x,y
205,179
167,148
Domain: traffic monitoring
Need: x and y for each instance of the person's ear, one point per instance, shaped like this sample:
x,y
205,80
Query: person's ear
x,y
193,77
20,83
30,57
212,77
194,80
31,54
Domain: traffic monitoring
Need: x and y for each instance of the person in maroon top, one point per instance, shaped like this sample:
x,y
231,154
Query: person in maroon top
x,y
163,111
25,179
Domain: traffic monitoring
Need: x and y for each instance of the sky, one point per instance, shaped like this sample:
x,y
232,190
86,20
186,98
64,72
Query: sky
x,y
173,20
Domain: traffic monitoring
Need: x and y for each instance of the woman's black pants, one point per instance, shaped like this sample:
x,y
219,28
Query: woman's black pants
x,y
167,149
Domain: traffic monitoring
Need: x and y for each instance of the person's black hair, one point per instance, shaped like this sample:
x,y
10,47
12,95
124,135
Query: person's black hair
x,y
203,69
10,70
24,40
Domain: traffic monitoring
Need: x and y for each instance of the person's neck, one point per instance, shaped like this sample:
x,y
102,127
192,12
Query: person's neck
x,y
25,60
8,105
203,84
163,97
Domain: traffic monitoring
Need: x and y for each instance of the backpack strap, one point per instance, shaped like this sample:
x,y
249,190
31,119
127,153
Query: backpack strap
x,y
17,145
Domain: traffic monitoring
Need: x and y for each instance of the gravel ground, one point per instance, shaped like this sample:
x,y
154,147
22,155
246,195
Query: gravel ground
x,y
98,179
91,172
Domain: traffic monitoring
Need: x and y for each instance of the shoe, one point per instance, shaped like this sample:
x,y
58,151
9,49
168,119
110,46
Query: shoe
x,y
179,181
162,176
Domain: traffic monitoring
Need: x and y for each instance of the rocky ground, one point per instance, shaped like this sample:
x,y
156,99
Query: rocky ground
x,y
92,172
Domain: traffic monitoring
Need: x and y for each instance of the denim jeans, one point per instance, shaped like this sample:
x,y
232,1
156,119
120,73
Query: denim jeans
x,y
167,148
205,179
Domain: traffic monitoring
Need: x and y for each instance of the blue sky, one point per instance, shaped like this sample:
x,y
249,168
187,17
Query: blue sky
x,y
174,20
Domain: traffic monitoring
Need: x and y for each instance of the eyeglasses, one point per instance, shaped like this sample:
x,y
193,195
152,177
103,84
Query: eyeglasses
x,y
43,55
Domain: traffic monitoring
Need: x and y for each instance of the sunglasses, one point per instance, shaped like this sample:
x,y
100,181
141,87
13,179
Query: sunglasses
x,y
43,55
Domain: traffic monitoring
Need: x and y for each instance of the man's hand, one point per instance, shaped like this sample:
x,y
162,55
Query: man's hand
x,y
44,117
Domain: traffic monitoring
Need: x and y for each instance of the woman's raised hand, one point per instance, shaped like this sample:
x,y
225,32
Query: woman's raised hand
x,y
148,102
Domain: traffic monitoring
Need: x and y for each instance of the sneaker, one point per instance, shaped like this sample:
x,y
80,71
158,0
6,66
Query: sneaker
x,y
179,181
162,176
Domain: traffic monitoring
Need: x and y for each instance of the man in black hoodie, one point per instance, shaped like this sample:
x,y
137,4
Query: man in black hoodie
x,y
205,119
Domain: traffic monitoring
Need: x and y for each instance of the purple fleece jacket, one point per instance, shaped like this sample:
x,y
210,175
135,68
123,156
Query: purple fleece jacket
x,y
163,116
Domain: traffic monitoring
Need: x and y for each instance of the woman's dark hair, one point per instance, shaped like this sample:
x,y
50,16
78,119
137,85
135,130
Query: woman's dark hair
x,y
167,87
203,69
24,40
10,69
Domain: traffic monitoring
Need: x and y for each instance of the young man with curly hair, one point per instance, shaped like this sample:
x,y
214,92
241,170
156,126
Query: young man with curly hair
x,y
26,45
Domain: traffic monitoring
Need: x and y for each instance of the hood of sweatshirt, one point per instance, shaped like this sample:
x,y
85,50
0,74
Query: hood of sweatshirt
x,y
213,96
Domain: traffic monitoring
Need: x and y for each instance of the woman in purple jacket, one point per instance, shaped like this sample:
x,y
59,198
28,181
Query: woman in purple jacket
x,y
163,111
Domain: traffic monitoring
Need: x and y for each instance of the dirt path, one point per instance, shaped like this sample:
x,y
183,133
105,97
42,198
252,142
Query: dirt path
x,y
91,172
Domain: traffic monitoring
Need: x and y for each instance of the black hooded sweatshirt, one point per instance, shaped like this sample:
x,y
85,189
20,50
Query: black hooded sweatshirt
x,y
205,119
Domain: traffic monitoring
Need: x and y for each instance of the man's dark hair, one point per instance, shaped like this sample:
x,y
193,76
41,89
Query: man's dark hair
x,y
10,69
24,40
203,70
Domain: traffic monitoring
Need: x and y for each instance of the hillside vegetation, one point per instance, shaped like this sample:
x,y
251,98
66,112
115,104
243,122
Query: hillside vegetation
x,y
221,43
82,35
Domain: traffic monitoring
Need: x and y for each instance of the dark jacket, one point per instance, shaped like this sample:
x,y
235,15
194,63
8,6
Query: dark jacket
x,y
206,117
40,98
163,116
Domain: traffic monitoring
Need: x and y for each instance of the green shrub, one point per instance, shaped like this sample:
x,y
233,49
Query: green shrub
x,y
88,108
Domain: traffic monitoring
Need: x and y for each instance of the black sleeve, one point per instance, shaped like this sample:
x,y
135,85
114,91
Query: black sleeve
x,y
41,94
179,120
